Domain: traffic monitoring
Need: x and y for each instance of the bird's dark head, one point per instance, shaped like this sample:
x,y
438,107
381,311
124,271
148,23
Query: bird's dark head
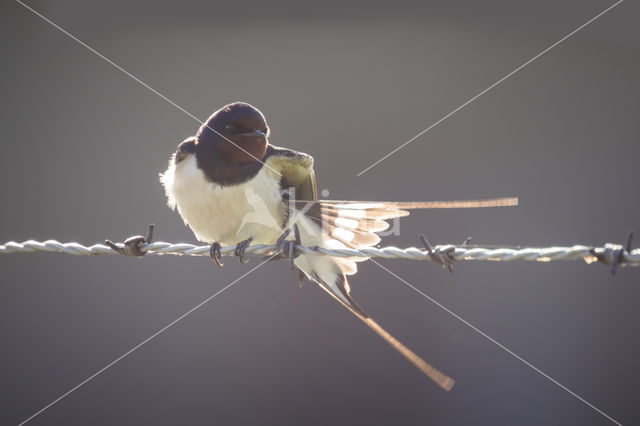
x,y
237,133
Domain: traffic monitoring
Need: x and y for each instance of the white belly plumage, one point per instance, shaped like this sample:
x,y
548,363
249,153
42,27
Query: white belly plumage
x,y
230,214
226,214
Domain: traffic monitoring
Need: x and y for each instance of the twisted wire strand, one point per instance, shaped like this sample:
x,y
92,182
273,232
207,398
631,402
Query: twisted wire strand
x,y
608,254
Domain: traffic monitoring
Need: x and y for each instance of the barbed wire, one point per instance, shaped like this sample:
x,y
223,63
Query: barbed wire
x,y
609,254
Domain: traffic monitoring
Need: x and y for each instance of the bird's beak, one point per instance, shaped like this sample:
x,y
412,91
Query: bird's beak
x,y
255,133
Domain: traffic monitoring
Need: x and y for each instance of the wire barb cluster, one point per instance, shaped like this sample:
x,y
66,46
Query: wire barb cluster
x,y
610,254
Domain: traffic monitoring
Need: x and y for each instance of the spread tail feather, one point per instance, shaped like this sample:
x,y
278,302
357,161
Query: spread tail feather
x,y
460,204
441,379
356,223
326,272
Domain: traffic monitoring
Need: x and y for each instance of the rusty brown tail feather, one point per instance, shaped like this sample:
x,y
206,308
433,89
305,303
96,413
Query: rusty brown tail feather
x,y
441,379
444,381
459,204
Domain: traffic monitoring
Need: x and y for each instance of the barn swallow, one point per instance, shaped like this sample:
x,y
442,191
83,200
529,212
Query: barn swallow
x,y
232,187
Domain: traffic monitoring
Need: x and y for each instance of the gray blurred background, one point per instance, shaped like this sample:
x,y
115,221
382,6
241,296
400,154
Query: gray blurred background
x,y
83,145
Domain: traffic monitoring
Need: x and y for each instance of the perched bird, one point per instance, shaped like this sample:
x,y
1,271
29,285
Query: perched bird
x,y
232,187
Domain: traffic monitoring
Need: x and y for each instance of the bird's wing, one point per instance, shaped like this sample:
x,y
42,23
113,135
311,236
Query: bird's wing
x,y
322,223
296,170
354,224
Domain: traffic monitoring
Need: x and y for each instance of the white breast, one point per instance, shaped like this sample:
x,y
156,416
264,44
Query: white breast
x,y
226,214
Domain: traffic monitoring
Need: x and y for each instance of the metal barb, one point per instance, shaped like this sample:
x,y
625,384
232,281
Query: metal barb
x,y
132,246
149,236
629,240
443,257
614,254
618,255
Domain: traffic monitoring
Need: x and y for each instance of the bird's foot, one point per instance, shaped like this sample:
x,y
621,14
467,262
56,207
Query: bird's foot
x,y
286,249
240,249
132,245
215,255
282,242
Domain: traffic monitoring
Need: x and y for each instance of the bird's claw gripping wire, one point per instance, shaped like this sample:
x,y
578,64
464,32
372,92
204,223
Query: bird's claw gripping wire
x,y
132,246
441,257
292,245
286,249
282,241
293,253
613,254
240,249
215,255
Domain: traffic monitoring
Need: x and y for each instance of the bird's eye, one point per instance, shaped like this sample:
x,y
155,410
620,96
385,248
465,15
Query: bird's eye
x,y
230,127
